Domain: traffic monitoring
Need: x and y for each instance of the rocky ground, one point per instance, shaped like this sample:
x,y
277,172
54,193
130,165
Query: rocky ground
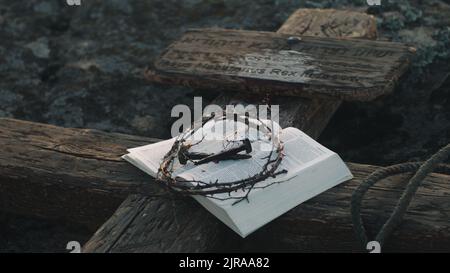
x,y
82,67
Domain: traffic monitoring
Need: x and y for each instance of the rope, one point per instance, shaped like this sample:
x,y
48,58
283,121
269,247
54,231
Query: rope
x,y
421,169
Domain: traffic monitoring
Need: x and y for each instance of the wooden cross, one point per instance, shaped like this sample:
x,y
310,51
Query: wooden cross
x,y
77,175
182,225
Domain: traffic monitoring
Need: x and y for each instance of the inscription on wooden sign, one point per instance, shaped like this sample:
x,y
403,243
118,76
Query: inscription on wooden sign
x,y
269,62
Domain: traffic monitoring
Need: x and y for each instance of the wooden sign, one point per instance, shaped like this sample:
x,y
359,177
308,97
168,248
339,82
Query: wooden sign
x,y
251,61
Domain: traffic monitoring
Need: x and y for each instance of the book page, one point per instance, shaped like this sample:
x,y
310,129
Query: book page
x,y
149,155
224,135
228,170
213,137
300,152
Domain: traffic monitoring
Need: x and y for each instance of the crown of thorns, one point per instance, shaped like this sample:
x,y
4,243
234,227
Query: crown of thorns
x,y
180,151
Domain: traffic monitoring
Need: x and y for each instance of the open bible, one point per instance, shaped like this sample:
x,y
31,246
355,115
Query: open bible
x,y
309,169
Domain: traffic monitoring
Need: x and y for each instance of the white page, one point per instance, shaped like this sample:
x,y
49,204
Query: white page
x,y
300,152
150,155
234,132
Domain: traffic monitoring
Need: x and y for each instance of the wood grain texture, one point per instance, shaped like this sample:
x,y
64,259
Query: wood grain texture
x,y
265,62
331,23
71,174
322,224
145,224
81,176
312,115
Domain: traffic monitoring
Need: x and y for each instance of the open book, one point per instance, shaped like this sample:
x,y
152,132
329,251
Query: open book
x,y
311,169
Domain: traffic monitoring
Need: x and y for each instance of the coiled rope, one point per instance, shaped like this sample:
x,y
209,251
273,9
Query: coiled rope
x,y
421,169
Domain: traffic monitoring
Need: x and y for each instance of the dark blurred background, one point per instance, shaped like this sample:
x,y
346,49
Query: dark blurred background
x,y
82,67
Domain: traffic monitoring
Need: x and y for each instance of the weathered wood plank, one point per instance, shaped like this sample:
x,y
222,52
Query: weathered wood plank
x,y
72,174
146,224
331,23
266,62
320,224
83,170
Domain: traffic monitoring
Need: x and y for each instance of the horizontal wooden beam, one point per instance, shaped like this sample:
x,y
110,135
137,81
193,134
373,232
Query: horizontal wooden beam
x,y
322,224
268,63
71,174
77,175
